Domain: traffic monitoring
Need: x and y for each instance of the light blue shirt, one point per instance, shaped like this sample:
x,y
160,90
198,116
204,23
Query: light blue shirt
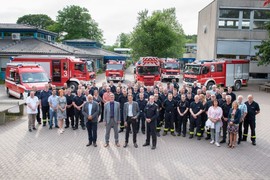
x,y
243,108
54,101
90,108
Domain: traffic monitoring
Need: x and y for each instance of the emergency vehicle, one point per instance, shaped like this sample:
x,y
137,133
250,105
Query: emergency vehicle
x,y
20,78
61,69
170,69
115,71
147,70
227,72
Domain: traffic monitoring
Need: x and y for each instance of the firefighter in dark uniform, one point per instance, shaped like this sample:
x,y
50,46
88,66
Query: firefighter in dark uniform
x,y
78,102
233,96
159,104
182,109
122,100
176,98
141,118
169,105
222,100
226,109
151,115
196,108
117,94
70,108
207,106
253,109
44,104
163,97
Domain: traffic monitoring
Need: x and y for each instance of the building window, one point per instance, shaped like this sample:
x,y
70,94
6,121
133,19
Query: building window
x,y
229,13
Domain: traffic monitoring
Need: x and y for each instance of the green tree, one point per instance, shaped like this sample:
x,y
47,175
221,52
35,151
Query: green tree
x,y
78,23
38,20
123,40
264,49
191,38
157,35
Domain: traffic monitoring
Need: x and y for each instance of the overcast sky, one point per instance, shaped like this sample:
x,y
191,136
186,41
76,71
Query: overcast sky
x,y
113,16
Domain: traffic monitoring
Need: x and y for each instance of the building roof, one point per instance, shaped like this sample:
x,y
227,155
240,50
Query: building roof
x,y
80,40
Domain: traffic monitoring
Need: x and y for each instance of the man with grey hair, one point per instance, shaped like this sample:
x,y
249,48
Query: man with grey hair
x,y
242,106
226,108
32,105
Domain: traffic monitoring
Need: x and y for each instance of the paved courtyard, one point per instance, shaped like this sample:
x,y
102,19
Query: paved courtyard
x,y
45,154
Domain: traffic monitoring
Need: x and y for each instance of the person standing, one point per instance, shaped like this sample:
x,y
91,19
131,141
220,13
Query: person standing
x,y
214,115
233,123
69,109
233,96
253,109
196,108
37,94
61,110
112,119
53,102
243,107
44,104
182,109
78,102
131,113
90,111
169,106
226,109
151,115
141,118
159,104
122,100
32,103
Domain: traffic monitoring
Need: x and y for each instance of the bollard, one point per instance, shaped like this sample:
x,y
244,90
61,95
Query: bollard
x,y
2,117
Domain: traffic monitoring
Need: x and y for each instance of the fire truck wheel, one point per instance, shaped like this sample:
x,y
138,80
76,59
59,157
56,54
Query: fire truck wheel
x,y
73,86
209,85
237,85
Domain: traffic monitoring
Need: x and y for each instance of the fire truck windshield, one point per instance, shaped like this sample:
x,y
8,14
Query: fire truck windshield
x,y
89,66
148,70
189,69
171,65
114,67
34,77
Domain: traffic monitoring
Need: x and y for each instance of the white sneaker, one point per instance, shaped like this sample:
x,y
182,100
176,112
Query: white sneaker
x,y
212,142
63,129
217,144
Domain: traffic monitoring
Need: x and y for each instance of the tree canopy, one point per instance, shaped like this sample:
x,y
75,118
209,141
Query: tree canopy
x,y
77,23
264,49
157,35
38,20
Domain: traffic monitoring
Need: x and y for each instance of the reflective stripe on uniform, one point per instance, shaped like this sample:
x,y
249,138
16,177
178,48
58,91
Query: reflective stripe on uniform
x,y
158,128
172,130
208,132
253,136
245,135
166,129
191,133
199,134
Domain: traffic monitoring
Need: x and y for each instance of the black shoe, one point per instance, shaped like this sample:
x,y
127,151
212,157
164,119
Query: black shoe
x,y
66,127
50,127
158,134
95,144
198,138
254,143
146,144
143,132
153,147
164,134
223,141
89,144
83,128
239,141
244,139
30,130
125,145
173,134
121,130
56,126
207,138
34,128
190,136
183,135
135,145
178,134
100,121
75,128
44,124
39,122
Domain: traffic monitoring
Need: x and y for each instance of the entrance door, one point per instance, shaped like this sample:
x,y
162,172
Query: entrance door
x,y
56,71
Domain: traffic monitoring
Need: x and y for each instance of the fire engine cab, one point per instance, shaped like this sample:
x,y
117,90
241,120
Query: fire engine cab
x,y
227,72
170,69
20,78
115,71
147,70
61,69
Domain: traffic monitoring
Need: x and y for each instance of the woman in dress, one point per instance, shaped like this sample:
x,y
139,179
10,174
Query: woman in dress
x,y
233,123
214,115
61,111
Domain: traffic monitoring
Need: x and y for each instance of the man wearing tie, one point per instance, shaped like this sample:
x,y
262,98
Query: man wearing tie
x,y
112,119
131,113
90,111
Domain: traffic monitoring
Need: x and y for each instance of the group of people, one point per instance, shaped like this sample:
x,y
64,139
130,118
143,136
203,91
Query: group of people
x,y
147,109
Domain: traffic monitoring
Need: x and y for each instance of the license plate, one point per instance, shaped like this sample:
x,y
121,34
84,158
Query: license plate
x,y
171,76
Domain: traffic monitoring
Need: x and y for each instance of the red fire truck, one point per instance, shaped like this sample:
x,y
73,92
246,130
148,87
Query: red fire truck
x,y
170,69
20,78
228,72
147,70
61,69
115,71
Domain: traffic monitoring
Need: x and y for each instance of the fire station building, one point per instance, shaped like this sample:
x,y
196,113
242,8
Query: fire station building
x,y
232,29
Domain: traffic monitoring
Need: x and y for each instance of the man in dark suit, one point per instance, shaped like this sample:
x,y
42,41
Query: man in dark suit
x,y
131,113
90,111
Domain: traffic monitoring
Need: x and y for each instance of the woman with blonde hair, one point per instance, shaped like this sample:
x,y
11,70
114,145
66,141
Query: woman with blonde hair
x,y
61,110
233,123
